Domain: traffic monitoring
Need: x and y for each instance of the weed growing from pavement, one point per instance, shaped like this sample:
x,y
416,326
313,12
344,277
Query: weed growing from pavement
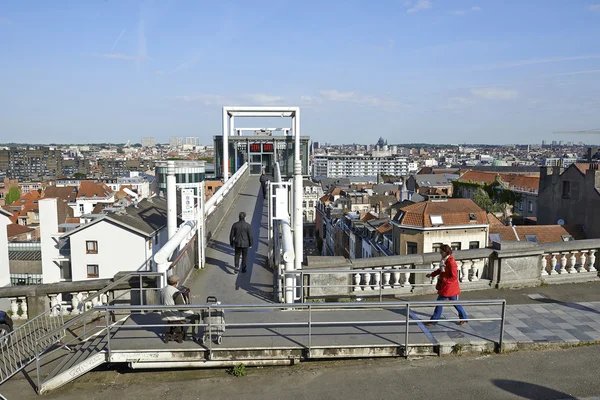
x,y
457,349
238,371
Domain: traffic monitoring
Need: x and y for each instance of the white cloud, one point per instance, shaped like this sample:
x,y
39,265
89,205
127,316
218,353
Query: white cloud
x,y
520,63
208,99
594,7
495,93
457,103
262,99
589,71
358,98
418,6
463,12
121,56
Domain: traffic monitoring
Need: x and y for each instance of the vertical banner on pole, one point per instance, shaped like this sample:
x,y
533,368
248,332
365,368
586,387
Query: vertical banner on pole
x,y
281,204
187,204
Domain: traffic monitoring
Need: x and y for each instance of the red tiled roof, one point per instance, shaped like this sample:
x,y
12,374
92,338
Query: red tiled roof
x,y
453,212
27,203
93,189
367,217
68,193
494,220
384,228
514,181
543,233
582,167
16,229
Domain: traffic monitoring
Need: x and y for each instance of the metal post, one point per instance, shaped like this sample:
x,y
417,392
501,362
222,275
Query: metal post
x,y
500,342
231,134
309,328
141,293
225,147
171,199
298,219
406,330
107,333
37,364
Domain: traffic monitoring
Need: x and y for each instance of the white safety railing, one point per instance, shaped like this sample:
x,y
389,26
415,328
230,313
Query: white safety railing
x,y
217,198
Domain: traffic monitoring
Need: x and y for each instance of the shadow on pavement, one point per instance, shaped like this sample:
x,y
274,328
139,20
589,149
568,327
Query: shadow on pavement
x,y
575,306
529,390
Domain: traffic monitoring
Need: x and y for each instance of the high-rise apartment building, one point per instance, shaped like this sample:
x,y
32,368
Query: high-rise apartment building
x,y
148,142
193,141
338,166
175,141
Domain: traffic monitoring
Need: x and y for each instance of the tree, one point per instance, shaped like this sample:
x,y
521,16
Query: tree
x,y
13,195
79,175
483,200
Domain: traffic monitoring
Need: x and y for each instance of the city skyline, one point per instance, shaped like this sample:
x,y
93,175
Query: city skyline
x,y
416,70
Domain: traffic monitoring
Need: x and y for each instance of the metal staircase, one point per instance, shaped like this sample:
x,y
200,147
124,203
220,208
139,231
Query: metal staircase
x,y
76,346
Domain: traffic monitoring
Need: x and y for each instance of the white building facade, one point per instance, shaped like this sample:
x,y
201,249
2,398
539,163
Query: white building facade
x,y
338,166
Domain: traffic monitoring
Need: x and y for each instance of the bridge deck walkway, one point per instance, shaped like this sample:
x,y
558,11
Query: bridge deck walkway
x,y
217,278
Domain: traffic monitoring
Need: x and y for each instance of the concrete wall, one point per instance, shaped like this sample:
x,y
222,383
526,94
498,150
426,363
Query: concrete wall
x,y
187,260
25,267
581,208
48,233
118,250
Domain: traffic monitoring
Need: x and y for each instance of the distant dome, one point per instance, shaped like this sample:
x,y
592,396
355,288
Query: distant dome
x,y
381,142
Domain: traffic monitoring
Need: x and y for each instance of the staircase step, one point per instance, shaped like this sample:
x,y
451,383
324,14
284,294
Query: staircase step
x,y
85,365
80,352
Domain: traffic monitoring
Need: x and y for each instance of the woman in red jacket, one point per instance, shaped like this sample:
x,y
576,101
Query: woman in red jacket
x,y
447,286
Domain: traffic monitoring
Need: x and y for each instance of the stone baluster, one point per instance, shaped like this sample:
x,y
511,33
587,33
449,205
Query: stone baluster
x,y
54,304
544,265
376,278
74,303
95,300
88,304
553,262
14,308
356,283
386,278
24,308
571,264
407,276
592,261
563,264
396,275
464,269
475,270
367,280
435,265
104,298
582,261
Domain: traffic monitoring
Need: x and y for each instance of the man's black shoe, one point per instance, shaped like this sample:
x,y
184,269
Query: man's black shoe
x,y
243,270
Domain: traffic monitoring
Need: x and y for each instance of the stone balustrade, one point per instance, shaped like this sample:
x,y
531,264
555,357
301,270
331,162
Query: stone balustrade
x,y
510,264
28,301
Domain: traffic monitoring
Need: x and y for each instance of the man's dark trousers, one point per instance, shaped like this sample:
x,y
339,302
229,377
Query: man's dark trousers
x,y
243,252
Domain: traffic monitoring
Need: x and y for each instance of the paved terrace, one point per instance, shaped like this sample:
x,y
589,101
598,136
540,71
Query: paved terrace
x,y
542,320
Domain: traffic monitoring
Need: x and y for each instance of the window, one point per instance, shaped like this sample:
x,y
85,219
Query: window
x,y
473,245
495,237
455,246
91,247
411,248
156,239
436,247
92,271
436,220
567,238
530,207
311,203
520,206
531,238
81,208
566,193
472,217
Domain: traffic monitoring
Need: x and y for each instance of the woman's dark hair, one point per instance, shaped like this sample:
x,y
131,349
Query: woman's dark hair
x,y
446,249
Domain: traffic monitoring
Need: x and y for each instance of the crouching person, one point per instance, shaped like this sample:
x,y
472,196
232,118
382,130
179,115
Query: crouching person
x,y
171,296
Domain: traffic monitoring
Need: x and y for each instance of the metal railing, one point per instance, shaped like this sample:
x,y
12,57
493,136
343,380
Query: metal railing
x,y
20,347
213,202
309,323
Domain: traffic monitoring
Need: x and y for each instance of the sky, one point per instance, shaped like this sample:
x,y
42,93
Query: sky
x,y
411,71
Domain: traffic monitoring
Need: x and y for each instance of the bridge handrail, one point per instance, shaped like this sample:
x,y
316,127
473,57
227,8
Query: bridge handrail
x,y
218,196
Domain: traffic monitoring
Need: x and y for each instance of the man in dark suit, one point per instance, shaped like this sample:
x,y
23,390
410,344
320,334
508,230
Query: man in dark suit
x,y
264,180
240,238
